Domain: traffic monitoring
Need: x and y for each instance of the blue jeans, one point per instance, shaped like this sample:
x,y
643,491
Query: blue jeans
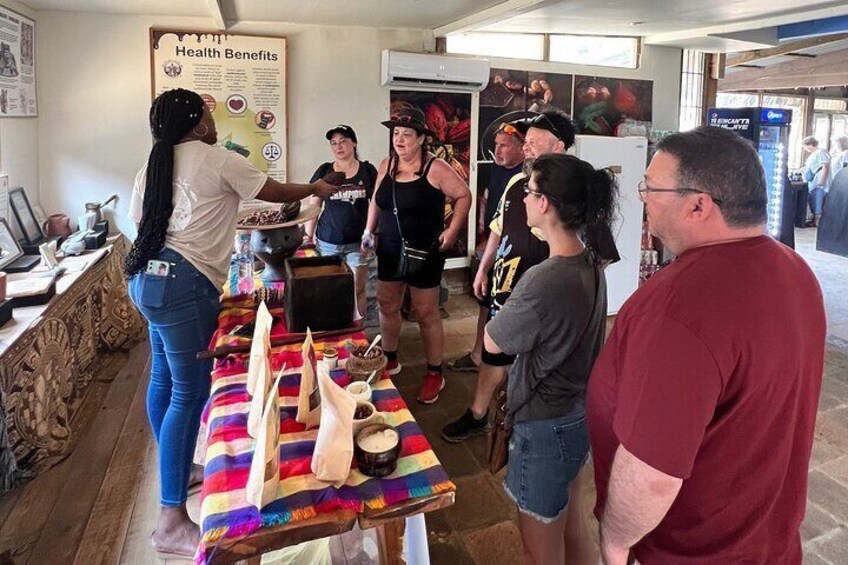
x,y
350,252
544,457
182,314
816,199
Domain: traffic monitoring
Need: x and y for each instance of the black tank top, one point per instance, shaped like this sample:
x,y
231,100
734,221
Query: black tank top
x,y
421,210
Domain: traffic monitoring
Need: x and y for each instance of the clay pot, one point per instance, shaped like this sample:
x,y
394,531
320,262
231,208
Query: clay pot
x,y
57,225
273,247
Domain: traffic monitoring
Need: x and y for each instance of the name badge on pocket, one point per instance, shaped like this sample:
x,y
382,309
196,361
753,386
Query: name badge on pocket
x,y
158,268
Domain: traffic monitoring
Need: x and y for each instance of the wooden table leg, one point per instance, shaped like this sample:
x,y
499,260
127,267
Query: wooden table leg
x,y
390,540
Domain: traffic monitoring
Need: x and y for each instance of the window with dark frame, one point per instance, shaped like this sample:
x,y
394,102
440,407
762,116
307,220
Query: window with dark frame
x,y
692,70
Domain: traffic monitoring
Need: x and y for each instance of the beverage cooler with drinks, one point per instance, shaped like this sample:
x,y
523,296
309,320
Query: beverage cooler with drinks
x,y
768,129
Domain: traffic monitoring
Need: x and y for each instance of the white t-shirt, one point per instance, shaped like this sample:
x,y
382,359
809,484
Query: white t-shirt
x,y
209,184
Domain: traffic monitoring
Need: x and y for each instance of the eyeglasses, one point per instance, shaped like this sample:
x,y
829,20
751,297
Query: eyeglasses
x,y
536,193
510,129
643,188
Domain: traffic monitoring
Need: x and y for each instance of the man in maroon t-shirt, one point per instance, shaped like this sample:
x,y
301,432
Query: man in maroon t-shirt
x,y
702,404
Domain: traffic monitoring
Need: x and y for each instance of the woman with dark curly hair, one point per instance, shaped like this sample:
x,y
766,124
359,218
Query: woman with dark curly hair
x,y
185,202
554,322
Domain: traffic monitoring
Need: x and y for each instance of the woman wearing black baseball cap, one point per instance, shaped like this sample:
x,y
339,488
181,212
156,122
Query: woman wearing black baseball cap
x,y
343,215
409,207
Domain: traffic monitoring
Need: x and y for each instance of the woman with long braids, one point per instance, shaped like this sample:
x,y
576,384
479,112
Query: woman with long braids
x,y
409,206
185,201
554,322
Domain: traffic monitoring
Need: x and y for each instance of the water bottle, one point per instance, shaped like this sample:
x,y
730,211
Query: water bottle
x,y
244,263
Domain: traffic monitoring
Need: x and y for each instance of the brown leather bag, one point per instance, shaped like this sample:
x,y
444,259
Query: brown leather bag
x,y
497,448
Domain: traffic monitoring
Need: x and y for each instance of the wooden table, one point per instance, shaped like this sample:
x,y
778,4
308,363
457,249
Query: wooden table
x,y
57,360
389,523
389,520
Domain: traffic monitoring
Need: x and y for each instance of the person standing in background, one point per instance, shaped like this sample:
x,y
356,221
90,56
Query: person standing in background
x,y
512,248
409,207
342,220
840,159
509,157
817,174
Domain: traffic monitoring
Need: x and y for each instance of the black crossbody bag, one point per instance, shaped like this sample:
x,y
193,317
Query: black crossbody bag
x,y
412,260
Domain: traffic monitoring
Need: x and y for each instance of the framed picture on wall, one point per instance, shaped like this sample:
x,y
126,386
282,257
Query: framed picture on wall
x,y
25,216
10,250
242,80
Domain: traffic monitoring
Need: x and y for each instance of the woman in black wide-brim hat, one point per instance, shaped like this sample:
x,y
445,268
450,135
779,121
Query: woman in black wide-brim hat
x,y
409,206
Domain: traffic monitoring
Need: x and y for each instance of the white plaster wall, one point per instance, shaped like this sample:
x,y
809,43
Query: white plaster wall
x,y
95,96
19,136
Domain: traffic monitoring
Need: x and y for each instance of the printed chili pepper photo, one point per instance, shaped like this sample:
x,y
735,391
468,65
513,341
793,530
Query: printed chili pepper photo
x,y
448,115
602,104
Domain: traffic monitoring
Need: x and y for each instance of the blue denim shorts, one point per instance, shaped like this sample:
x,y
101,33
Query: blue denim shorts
x,y
544,457
349,251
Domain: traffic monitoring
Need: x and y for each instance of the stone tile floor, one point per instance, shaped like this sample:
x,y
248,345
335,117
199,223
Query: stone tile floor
x,y
481,528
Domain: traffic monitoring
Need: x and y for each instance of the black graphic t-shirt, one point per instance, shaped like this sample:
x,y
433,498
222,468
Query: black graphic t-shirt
x,y
521,247
342,220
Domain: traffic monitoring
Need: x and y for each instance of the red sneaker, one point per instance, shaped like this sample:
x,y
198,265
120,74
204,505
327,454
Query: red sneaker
x,y
433,384
393,367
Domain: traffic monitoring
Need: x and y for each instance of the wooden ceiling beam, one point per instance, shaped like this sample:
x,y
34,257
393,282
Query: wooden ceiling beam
x,y
785,49
830,69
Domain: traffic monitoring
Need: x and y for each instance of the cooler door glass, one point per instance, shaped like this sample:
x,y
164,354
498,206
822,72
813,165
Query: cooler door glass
x,y
772,149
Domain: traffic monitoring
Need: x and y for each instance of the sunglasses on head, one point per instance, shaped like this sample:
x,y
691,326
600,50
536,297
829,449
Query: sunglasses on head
x,y
510,129
403,119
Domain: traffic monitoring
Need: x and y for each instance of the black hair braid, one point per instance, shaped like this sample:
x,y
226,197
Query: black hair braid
x,y
602,196
173,114
584,198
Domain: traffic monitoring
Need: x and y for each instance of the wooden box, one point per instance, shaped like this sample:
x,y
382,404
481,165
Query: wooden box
x,y
319,294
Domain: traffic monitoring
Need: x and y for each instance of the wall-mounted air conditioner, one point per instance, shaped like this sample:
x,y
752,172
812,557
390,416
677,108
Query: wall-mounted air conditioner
x,y
434,71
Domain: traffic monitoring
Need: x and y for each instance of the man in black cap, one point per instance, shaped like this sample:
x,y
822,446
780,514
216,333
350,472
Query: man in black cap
x,y
509,158
512,249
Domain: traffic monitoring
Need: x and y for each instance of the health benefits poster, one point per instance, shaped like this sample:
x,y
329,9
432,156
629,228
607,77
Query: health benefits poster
x,y
17,64
242,79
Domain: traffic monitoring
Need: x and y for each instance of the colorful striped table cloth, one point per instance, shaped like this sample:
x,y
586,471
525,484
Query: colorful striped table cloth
x,y
228,449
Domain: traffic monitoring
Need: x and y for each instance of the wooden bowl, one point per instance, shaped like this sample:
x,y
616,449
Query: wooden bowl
x,y
360,369
376,463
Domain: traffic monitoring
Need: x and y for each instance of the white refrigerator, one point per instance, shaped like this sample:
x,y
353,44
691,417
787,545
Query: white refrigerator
x,y
627,157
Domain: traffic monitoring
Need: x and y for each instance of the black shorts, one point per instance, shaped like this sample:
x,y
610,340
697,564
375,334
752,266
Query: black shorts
x,y
487,300
429,277
495,359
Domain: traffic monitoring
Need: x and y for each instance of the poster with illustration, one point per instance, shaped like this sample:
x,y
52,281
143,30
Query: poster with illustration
x,y
242,79
602,104
512,95
448,115
17,65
